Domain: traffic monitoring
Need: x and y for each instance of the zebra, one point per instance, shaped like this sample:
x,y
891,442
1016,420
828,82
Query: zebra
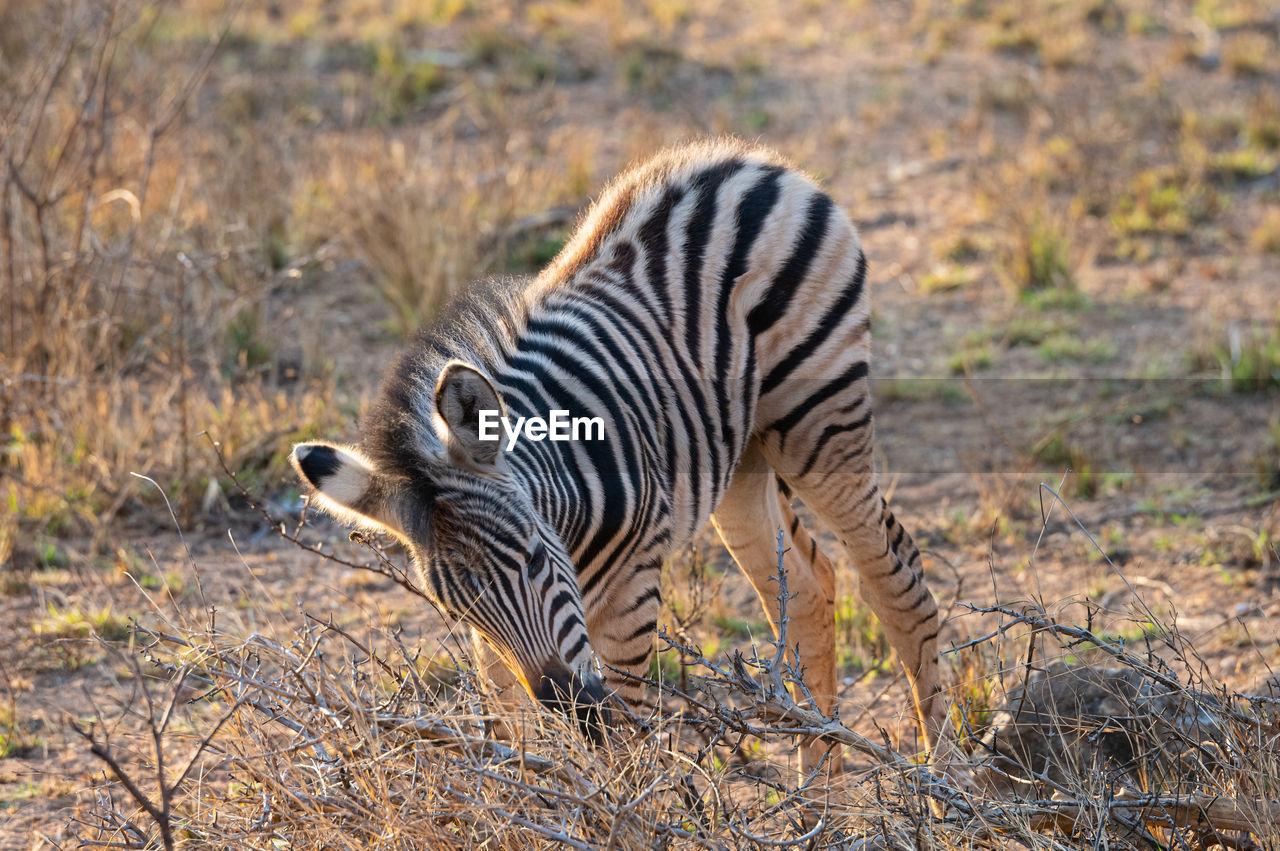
x,y
711,306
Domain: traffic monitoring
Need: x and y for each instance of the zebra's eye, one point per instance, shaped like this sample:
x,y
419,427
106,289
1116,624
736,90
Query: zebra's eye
x,y
537,559
535,544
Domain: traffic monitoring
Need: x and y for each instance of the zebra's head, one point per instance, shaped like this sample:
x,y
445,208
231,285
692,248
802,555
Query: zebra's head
x,y
483,553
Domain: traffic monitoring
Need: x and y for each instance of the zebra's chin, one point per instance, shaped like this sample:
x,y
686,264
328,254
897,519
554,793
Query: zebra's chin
x,y
580,697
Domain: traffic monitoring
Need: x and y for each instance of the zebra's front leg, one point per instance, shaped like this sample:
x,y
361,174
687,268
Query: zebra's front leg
x,y
622,622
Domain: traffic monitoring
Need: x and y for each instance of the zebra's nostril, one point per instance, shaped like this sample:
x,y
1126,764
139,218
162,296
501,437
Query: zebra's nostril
x,y
581,698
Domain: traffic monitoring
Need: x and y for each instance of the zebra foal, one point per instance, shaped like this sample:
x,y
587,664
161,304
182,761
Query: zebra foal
x,y
710,309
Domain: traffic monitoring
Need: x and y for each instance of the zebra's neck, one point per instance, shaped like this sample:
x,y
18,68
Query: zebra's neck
x,y
595,485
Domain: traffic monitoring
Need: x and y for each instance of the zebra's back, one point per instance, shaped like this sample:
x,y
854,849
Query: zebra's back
x,y
735,283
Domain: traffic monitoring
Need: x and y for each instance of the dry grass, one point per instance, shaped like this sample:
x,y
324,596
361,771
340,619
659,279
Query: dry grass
x,y
158,260
221,220
425,226
332,735
128,325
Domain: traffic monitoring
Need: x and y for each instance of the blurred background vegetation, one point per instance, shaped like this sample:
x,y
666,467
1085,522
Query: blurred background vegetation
x,y
220,217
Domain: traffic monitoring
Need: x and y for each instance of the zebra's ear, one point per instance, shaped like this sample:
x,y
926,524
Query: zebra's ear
x,y
468,410
344,484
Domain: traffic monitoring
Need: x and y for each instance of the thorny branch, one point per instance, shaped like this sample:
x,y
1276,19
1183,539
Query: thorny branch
x,y
383,566
100,746
344,726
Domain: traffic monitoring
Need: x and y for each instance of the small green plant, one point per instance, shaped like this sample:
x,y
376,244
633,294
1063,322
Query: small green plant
x,y
970,359
1059,454
53,558
13,742
403,82
941,390
15,793
1038,258
1164,201
860,638
1268,461
757,120
1261,545
743,628
172,582
1070,347
1134,631
1247,358
1242,164
1029,329
75,622
1069,299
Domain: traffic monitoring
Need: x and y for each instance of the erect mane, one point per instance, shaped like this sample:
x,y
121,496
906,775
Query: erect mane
x,y
479,325
629,189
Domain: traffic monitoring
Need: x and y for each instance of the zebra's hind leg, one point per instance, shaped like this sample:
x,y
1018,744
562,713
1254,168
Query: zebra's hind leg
x,y
748,520
891,580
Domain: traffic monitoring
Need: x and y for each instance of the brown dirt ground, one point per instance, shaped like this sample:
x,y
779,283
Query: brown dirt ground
x,y
904,143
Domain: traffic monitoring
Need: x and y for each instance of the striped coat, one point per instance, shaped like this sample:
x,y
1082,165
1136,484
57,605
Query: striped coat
x,y
711,310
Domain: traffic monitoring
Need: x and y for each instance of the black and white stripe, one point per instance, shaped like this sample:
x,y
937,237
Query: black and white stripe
x,y
712,309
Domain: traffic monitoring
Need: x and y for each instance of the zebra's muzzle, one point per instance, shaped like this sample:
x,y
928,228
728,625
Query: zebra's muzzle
x,y
581,698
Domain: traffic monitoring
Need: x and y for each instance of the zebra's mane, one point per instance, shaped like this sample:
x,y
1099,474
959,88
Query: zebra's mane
x,y
628,191
479,325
